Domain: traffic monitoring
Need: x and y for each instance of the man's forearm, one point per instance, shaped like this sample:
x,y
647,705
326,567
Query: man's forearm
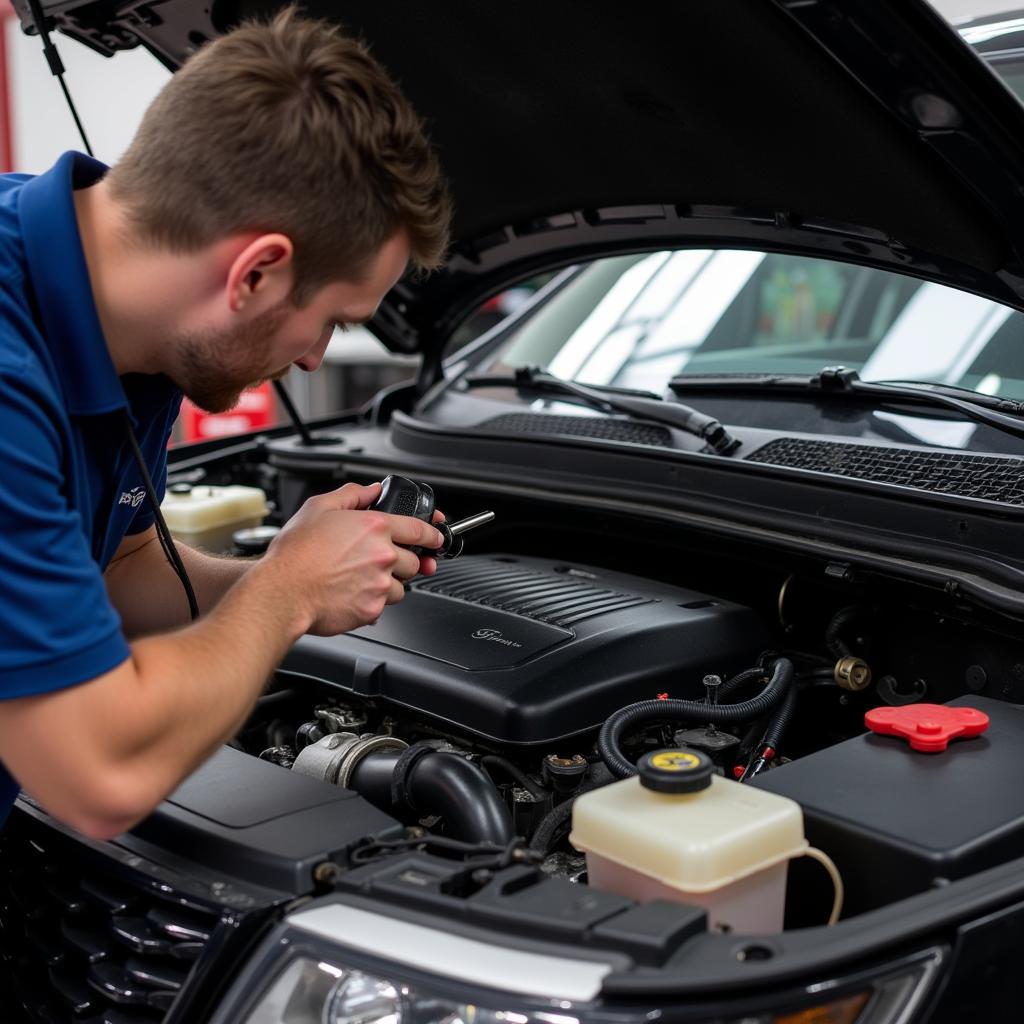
x,y
212,576
181,729
129,736
146,591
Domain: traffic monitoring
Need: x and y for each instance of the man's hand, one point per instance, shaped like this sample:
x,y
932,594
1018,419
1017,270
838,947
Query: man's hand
x,y
340,564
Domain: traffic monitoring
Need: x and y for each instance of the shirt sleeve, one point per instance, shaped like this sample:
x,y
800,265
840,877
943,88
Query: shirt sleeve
x,y
146,517
57,626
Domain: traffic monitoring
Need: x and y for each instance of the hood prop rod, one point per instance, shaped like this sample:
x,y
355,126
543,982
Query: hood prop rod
x,y
293,414
56,66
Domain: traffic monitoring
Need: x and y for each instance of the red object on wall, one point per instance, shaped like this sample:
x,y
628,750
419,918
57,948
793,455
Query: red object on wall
x,y
255,409
7,21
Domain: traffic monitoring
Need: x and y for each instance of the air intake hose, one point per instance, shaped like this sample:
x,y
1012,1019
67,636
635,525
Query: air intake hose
x,y
633,715
426,781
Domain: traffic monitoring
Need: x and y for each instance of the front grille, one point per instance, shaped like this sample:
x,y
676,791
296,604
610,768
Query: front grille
x,y
969,476
558,599
601,427
84,947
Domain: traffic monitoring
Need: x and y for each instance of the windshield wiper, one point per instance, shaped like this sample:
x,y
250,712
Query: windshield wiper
x,y
1002,413
638,404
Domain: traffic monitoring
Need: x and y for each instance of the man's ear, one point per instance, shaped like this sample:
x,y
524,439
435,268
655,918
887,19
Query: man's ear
x,y
261,274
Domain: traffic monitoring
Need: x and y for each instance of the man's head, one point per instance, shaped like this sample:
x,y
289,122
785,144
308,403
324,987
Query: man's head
x,y
284,152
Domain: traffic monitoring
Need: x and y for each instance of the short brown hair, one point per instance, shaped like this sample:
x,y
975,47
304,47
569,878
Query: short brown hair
x,y
286,126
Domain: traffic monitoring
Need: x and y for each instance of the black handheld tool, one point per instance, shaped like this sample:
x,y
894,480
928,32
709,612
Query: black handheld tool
x,y
404,497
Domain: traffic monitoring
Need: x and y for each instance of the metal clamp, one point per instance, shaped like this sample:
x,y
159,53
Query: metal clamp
x,y
334,758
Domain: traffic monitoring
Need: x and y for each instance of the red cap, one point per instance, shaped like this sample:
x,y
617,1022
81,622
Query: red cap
x,y
927,727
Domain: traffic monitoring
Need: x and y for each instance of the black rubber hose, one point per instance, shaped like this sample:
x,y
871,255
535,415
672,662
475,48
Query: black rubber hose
x,y
549,826
780,720
443,784
629,717
833,640
746,676
515,773
553,821
269,702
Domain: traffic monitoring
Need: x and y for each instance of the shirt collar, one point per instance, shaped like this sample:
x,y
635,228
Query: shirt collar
x,y
60,282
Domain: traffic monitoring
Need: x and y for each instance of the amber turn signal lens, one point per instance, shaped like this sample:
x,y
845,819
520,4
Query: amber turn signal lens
x,y
843,1011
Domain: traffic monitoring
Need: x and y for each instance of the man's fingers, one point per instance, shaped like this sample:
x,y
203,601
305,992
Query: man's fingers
x,y
411,532
352,496
396,592
406,566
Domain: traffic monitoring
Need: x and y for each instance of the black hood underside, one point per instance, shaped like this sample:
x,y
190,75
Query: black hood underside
x,y
866,132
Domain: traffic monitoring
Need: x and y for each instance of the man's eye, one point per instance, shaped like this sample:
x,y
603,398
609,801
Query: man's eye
x,y
342,327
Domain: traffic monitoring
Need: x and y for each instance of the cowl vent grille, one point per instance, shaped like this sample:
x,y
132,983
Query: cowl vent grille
x,y
600,427
970,476
86,948
555,598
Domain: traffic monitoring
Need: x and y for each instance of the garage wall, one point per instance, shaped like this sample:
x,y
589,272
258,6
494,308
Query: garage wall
x,y
110,94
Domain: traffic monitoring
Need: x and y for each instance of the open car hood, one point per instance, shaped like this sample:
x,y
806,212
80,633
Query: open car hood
x,y
868,132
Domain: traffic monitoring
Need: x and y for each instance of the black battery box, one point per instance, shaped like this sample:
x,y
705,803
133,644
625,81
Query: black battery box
x,y
897,821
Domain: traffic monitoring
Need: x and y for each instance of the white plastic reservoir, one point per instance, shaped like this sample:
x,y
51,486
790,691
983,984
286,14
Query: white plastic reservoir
x,y
206,517
678,831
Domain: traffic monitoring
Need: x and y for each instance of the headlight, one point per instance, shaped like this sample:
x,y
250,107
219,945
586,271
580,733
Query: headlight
x,y
360,998
315,992
336,964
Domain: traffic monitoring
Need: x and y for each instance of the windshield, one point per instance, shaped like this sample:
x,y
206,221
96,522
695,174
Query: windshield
x,y
638,321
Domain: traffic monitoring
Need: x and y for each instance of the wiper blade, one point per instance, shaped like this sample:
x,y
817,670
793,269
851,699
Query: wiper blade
x,y
1002,413
1007,405
640,405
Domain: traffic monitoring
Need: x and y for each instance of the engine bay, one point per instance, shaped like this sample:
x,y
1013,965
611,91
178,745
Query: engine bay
x,y
506,687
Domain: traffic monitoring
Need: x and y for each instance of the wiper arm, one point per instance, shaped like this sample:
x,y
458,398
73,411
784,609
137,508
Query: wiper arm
x,y
640,405
1001,413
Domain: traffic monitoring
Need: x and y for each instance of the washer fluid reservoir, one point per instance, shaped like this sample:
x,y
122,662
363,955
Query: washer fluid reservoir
x,y
206,516
679,831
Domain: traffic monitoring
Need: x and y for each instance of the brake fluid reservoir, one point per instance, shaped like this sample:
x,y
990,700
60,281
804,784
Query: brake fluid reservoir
x,y
206,517
679,831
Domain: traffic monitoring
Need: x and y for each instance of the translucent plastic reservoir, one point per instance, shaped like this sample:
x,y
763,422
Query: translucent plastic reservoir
x,y
206,517
724,848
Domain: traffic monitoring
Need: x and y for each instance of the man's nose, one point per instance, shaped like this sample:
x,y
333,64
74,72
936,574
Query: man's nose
x,y
315,356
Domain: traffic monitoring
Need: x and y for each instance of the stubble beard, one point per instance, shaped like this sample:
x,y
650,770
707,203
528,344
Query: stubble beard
x,y
213,368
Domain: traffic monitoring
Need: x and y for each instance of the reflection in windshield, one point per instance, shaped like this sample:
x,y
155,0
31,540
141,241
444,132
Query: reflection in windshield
x,y
637,321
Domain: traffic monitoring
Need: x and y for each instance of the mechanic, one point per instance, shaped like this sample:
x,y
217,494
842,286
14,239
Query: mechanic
x,y
278,186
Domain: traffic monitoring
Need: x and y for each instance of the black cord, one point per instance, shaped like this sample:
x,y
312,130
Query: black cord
x,y
56,66
514,772
162,532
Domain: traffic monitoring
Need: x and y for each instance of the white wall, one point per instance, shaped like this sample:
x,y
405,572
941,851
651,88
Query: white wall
x,y
110,94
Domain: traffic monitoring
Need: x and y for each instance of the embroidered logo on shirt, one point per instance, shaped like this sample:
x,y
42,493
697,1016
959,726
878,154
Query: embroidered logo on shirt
x,y
135,497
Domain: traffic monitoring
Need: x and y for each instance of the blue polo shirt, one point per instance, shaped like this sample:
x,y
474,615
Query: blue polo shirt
x,y
69,487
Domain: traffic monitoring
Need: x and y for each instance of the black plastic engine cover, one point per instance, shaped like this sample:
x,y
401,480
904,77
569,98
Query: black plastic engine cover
x,y
896,820
529,651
